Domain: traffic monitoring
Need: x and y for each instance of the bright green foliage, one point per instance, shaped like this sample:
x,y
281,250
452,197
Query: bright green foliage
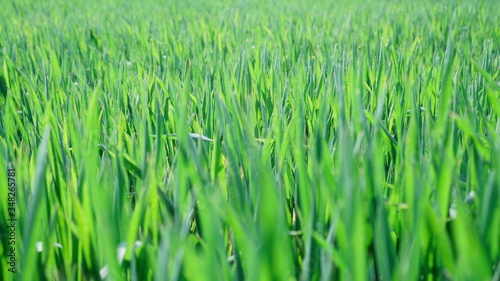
x,y
226,140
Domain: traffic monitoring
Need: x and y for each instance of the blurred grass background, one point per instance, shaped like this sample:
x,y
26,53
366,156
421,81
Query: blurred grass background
x,y
337,140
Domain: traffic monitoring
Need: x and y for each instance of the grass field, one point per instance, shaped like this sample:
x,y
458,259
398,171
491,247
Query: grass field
x,y
226,140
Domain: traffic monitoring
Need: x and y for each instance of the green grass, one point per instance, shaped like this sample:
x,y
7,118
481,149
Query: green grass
x,y
336,140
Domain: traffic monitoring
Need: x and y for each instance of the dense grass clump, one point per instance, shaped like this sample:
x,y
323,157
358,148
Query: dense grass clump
x,y
247,140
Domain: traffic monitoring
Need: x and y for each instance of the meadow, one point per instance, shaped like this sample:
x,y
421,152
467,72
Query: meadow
x,y
250,140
